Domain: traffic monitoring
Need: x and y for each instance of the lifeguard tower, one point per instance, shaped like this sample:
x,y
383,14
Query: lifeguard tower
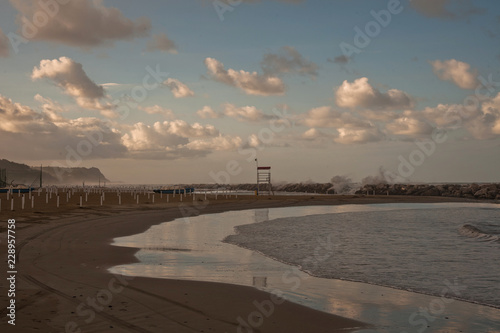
x,y
264,179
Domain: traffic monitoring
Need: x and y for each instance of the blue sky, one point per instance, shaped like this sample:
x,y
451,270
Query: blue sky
x,y
345,115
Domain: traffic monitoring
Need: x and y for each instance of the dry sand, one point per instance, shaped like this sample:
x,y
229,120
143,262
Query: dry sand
x,y
63,286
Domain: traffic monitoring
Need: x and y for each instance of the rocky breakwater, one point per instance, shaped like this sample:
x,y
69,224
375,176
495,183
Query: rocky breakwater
x,y
320,188
472,191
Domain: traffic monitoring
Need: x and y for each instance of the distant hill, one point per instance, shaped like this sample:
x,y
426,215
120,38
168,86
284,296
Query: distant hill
x,y
25,174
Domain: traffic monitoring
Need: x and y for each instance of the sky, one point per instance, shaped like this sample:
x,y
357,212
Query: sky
x,y
193,91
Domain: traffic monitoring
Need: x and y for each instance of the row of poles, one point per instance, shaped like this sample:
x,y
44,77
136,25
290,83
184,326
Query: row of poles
x,y
85,192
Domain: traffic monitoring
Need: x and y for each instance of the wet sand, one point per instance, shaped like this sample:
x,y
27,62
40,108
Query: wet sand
x,y
63,284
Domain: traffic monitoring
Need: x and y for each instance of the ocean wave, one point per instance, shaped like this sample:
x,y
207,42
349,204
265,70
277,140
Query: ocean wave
x,y
485,232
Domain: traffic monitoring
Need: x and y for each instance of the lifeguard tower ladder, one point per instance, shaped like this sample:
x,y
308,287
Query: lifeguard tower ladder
x,y
264,179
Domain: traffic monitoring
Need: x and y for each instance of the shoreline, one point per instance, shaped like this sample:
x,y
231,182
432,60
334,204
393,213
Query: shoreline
x,y
63,266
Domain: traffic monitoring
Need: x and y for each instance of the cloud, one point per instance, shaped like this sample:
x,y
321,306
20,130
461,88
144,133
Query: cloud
x,y
272,139
447,9
484,127
81,23
432,8
112,84
178,88
379,115
409,127
4,45
174,139
156,109
161,42
218,143
70,76
17,118
480,123
57,137
254,141
446,115
352,127
485,123
72,79
312,134
208,113
341,59
244,113
348,128
327,117
288,61
159,137
182,128
352,136
361,94
44,135
250,83
51,109
458,72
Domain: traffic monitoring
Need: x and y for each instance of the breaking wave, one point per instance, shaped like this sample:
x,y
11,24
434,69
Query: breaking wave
x,y
487,232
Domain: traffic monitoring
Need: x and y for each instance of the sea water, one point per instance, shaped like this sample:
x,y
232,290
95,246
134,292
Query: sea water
x,y
411,249
449,250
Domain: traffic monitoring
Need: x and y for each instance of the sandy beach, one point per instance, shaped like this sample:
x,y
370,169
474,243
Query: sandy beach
x,y
342,159
63,285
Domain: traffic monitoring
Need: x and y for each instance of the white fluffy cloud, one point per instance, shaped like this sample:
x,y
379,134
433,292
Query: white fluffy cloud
x,y
169,140
327,117
485,123
445,115
251,83
51,109
182,128
218,143
409,127
244,113
352,136
346,127
178,88
54,135
312,134
458,72
161,42
352,127
207,113
70,76
156,109
57,137
72,79
361,93
158,137
4,45
165,135
479,123
288,60
82,23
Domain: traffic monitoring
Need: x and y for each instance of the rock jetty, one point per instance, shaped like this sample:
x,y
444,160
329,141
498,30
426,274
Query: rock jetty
x,y
472,191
